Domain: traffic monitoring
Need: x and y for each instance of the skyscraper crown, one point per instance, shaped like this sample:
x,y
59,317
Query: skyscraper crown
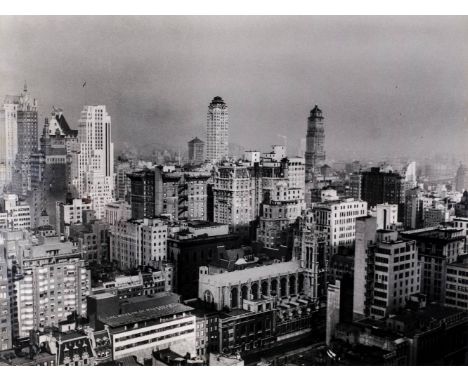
x,y
316,112
217,101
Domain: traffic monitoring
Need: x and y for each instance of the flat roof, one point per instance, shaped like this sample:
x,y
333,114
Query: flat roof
x,y
144,315
203,223
102,296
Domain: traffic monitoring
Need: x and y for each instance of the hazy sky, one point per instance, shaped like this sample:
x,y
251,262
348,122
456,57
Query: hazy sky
x,y
386,85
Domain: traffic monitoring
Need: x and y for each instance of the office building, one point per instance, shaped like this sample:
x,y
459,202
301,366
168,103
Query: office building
x,y
116,211
135,243
438,247
234,198
461,208
70,213
461,179
141,332
337,219
387,270
94,176
217,131
456,284
28,141
387,216
15,214
379,187
194,245
160,191
277,212
196,151
435,215
18,139
315,150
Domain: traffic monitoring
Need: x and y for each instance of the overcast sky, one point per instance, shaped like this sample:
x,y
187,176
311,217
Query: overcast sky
x,y
386,85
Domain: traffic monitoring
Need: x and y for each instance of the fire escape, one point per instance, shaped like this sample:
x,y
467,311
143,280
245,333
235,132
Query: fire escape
x,y
182,192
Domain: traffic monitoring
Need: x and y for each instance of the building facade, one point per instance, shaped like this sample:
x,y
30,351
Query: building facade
x,y
217,131
456,284
234,198
94,176
70,213
438,247
337,219
196,151
52,283
380,187
315,151
135,243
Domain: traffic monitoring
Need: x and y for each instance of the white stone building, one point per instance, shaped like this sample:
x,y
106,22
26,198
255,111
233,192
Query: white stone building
x,y
138,242
70,213
94,173
338,220
217,131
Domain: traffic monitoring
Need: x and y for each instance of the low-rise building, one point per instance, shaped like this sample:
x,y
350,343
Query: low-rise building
x,y
142,332
17,213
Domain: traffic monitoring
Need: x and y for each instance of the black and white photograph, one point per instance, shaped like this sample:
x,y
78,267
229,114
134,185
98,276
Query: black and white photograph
x,y
233,190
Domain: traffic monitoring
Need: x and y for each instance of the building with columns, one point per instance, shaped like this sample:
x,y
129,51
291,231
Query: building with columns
x,y
231,289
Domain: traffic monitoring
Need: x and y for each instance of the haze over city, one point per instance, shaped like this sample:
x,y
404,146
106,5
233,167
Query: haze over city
x,y
387,86
233,191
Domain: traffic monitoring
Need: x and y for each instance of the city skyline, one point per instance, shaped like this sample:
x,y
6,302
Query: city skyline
x,y
313,213
377,79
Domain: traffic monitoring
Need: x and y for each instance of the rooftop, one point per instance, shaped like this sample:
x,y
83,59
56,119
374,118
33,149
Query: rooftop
x,y
147,314
461,263
196,140
255,273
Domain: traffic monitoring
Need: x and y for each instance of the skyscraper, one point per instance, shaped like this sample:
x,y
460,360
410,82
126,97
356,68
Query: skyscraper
x,y
8,139
18,139
196,150
94,176
315,152
27,133
217,130
461,179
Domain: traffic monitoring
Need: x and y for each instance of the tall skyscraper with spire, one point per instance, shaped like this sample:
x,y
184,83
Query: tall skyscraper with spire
x,y
315,152
217,130
94,170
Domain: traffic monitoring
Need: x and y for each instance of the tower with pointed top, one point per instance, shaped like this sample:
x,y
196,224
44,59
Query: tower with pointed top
x,y
217,130
315,140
